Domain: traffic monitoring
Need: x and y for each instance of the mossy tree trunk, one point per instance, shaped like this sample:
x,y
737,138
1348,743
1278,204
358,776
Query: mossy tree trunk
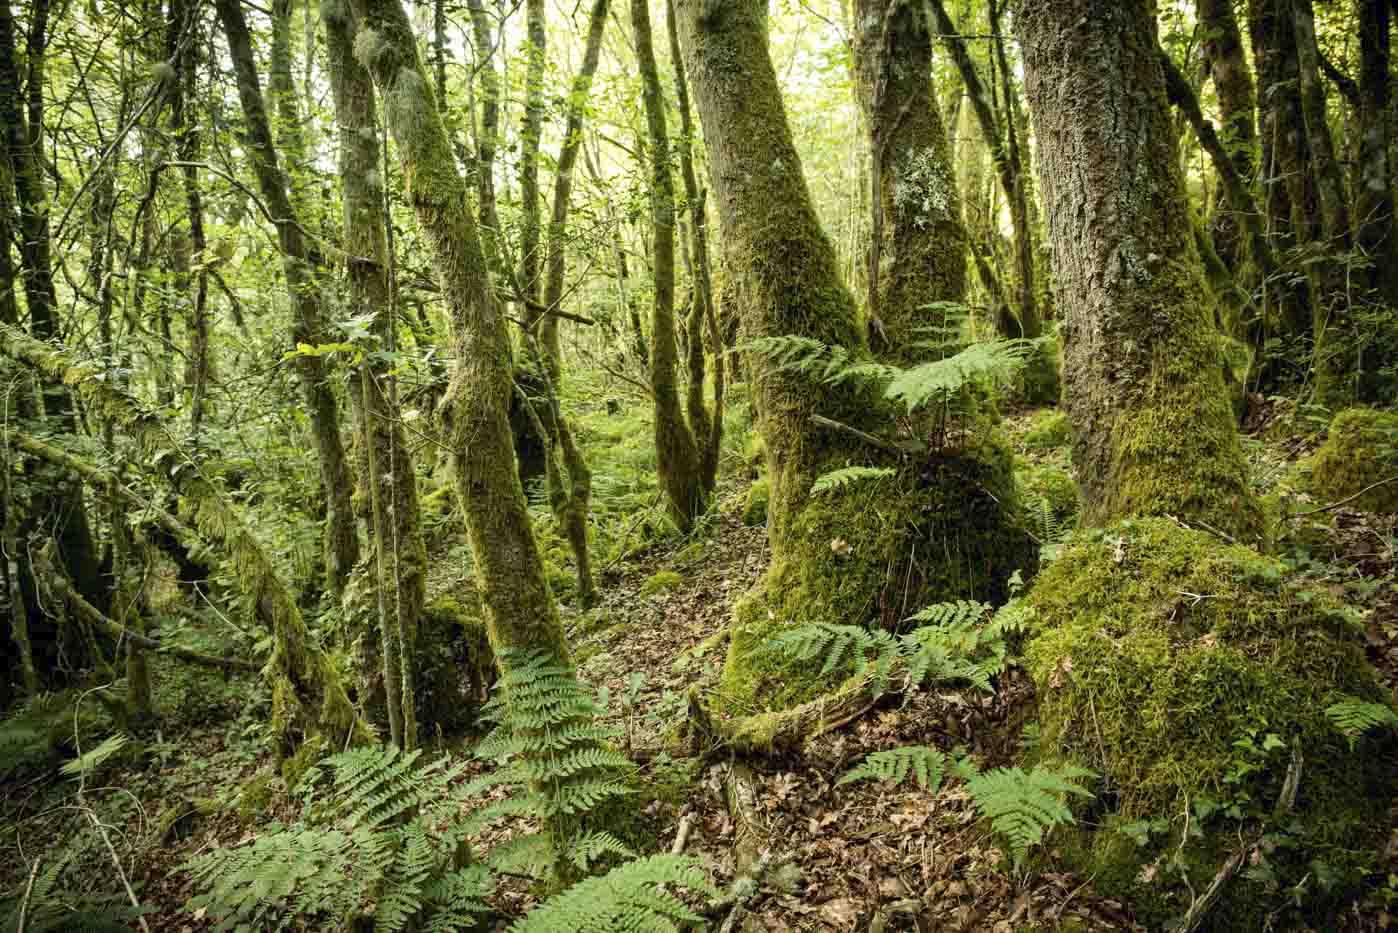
x,y
1221,42
61,507
1336,347
945,529
520,611
1009,167
1153,432
917,250
303,265
707,426
399,553
1374,201
531,131
676,445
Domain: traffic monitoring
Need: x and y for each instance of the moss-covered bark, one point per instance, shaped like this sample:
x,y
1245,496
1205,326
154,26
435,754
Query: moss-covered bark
x,y
307,696
918,250
947,531
1153,430
1221,42
302,265
1359,461
676,440
399,553
1373,190
520,611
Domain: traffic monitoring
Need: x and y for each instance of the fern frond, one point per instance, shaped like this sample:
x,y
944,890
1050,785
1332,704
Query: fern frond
x,y
634,896
960,612
938,380
1353,717
847,476
1022,806
927,765
590,848
89,761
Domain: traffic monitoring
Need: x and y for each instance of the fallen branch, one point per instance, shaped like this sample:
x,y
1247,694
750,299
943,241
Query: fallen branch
x,y
789,729
28,893
1346,499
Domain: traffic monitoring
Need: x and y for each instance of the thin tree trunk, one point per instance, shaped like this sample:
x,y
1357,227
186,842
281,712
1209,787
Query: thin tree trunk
x,y
1142,375
302,265
1374,201
530,132
1221,42
520,611
676,450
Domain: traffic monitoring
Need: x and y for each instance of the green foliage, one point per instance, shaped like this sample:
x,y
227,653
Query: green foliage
x,y
939,381
894,765
839,479
1354,716
661,581
1360,450
634,896
1049,430
1022,806
380,828
756,501
91,760
963,642
556,762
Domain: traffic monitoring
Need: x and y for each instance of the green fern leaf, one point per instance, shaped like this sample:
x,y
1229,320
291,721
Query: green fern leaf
x,y
927,765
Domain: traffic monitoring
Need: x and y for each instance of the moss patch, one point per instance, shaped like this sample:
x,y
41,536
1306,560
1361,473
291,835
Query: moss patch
x,y
873,553
755,503
1164,660
1049,431
1037,383
257,794
1361,449
456,665
660,582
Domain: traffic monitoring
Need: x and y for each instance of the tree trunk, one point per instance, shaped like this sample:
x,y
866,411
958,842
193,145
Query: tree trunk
x,y
917,243
302,265
520,611
676,450
1153,432
399,553
531,130
1336,347
1222,45
1374,202
944,530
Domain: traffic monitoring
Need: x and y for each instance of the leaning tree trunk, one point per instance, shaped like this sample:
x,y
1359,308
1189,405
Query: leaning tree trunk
x,y
945,528
520,611
1222,45
917,248
676,451
399,553
1153,432
302,265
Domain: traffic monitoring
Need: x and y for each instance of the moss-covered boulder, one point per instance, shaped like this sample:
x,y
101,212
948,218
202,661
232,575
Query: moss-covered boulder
x,y
755,503
947,526
1360,450
1191,674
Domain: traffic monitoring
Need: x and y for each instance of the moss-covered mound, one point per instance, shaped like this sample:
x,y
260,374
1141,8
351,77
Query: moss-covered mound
x,y
1361,449
755,503
874,552
1049,430
1188,673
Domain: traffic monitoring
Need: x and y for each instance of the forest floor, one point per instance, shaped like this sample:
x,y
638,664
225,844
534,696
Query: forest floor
x,y
861,856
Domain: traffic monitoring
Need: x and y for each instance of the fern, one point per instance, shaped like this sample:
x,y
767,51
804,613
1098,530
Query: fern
x,y
959,612
927,765
634,896
1354,717
839,479
90,761
1022,806
380,828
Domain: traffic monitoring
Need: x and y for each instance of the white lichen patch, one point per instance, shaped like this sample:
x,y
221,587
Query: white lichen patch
x,y
923,188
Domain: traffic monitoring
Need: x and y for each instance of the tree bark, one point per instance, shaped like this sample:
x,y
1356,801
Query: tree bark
x,y
676,450
1153,432
917,243
1221,42
302,265
520,611
1374,201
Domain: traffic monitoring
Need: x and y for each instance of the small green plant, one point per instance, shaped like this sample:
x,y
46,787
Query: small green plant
x,y
1022,806
634,896
893,766
838,479
1354,717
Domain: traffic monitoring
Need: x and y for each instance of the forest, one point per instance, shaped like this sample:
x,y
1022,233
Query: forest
x,y
734,465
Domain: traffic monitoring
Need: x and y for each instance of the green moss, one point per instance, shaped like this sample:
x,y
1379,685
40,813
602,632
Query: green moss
x,y
257,794
1361,449
1051,485
755,453
1158,650
1050,430
755,503
455,665
1038,382
874,553
661,581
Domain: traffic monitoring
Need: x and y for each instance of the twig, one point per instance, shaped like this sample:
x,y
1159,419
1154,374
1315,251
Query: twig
x,y
682,834
867,438
121,872
1336,505
28,892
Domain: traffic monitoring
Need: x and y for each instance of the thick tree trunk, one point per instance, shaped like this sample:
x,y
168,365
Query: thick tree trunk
x,y
676,450
944,529
520,611
917,243
399,553
302,265
1153,433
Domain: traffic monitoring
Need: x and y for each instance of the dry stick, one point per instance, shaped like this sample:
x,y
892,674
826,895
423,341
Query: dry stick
x,y
681,834
28,893
869,439
116,860
1351,498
